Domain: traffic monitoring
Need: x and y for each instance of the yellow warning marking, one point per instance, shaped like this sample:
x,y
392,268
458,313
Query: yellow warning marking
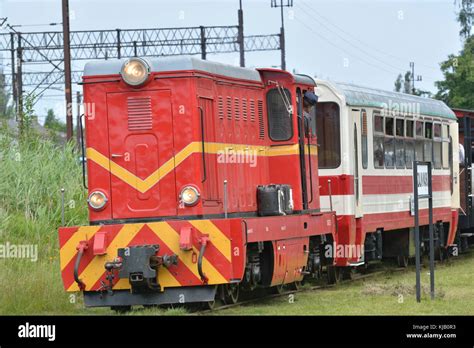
x,y
171,238
68,250
217,238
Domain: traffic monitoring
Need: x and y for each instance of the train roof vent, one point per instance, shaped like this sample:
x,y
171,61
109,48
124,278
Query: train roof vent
x,y
139,113
244,109
220,105
237,108
229,108
252,110
260,120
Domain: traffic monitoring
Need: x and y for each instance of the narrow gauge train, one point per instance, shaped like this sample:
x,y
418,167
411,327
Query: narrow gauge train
x,y
206,179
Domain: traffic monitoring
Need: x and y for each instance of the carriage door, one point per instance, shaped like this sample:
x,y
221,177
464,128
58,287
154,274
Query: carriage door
x,y
140,143
357,163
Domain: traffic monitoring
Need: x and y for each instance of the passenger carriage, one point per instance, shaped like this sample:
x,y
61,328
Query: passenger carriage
x,y
368,140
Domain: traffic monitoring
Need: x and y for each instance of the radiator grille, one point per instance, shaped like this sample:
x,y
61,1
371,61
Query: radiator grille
x,y
139,113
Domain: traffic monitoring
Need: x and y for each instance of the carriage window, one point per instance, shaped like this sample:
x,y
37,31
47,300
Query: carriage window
x,y
364,132
419,141
445,154
388,126
280,126
389,143
328,135
409,129
378,142
419,128
400,128
409,144
428,146
400,144
437,146
378,124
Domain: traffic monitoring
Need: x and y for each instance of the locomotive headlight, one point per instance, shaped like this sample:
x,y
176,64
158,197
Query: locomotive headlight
x,y
189,195
97,200
135,71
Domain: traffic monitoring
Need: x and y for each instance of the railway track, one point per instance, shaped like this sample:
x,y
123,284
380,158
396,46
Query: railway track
x,y
355,278
301,290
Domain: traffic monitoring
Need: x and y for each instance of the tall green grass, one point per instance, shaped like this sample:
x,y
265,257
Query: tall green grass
x,y
32,173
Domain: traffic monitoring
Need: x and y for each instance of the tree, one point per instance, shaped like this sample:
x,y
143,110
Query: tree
x,y
407,83
6,111
52,123
398,83
465,17
457,89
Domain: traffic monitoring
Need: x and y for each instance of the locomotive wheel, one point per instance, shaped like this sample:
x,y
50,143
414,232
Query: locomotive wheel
x,y
296,285
402,261
279,289
334,274
231,293
210,305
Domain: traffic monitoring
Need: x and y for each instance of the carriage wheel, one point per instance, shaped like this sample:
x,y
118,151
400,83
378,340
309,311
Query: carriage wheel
x,y
347,273
334,274
439,254
402,261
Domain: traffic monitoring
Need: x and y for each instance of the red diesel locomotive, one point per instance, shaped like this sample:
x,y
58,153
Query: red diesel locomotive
x,y
204,179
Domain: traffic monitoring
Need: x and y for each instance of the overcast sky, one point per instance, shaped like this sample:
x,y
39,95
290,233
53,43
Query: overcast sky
x,y
367,42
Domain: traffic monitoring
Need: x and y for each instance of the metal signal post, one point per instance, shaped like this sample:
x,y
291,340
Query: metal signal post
x,y
422,187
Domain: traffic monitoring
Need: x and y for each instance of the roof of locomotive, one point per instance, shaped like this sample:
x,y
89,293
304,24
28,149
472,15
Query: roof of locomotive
x,y
177,63
360,96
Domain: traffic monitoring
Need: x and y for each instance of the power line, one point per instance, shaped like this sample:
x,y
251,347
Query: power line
x,y
396,69
343,49
404,60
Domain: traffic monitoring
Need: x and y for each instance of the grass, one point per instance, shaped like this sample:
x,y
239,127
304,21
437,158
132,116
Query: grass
x,y
391,293
34,170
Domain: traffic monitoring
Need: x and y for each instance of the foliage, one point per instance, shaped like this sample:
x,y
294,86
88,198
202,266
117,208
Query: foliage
x,y
403,84
6,111
33,172
52,123
457,89
465,17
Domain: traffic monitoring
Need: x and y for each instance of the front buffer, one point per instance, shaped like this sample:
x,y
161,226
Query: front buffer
x,y
152,263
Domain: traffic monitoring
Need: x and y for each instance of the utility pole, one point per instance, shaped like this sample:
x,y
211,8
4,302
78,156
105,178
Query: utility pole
x,y
241,35
12,47
67,69
289,3
19,83
419,78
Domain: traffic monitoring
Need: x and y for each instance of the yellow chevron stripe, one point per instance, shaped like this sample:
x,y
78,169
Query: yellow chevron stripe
x,y
68,251
218,239
94,270
194,147
171,238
